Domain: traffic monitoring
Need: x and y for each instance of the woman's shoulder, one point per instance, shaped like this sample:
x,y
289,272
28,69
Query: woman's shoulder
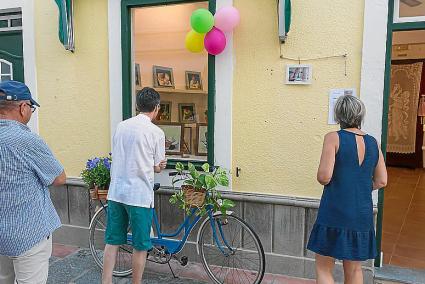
x,y
332,138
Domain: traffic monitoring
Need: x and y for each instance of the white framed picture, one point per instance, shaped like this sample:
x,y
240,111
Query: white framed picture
x,y
299,74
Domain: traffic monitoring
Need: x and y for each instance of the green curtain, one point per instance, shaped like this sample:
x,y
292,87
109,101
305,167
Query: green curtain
x,y
287,15
66,28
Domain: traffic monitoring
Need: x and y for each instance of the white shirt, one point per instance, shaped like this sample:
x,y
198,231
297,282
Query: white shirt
x,y
138,145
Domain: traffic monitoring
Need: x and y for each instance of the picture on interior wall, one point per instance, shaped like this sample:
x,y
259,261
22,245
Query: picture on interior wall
x,y
298,74
187,140
163,77
138,78
202,139
173,137
164,113
193,80
187,113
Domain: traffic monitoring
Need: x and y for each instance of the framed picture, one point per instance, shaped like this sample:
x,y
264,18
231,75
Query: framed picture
x,y
187,140
173,137
193,80
202,139
187,113
163,77
138,78
164,113
298,74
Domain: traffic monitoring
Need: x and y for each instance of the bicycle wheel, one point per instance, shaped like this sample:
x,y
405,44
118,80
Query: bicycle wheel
x,y
241,259
97,245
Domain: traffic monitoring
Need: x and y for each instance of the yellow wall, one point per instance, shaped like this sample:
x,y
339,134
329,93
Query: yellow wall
x,y
278,129
73,89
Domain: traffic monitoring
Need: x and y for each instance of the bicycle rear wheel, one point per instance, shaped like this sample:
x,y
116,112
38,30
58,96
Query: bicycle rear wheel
x,y
97,245
238,257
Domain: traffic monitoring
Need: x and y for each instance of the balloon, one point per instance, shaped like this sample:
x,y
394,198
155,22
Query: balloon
x,y
226,18
202,21
215,41
194,41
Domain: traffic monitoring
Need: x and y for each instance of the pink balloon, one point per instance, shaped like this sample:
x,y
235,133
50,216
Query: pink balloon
x,y
215,41
226,18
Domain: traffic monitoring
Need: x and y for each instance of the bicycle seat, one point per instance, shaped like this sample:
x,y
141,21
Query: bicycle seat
x,y
156,186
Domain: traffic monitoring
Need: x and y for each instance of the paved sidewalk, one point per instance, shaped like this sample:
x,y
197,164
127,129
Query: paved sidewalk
x,y
76,265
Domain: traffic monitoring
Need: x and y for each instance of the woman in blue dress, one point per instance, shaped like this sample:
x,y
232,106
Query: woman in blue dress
x,y
351,166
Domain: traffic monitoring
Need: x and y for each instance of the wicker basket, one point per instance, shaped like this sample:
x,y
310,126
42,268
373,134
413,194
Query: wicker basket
x,y
98,194
192,197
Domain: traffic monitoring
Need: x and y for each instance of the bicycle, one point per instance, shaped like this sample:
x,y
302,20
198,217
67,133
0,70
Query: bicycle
x,y
230,249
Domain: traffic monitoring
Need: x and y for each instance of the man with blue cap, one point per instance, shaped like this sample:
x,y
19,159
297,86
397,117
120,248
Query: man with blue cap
x,y
27,168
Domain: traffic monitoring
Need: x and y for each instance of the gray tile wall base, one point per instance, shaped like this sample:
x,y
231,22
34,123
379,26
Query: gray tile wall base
x,y
282,223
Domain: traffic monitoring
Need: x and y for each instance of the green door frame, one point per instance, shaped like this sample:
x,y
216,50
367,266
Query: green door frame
x,y
126,6
391,27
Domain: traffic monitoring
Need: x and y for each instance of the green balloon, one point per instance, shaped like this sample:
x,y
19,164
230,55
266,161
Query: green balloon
x,y
202,21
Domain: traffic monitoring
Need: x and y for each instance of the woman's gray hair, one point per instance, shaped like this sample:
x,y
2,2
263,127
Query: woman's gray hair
x,y
349,112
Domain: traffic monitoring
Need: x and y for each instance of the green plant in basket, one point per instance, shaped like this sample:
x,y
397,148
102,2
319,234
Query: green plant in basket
x,y
97,172
199,189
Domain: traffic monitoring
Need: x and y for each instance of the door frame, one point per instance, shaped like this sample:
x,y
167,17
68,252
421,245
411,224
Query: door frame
x,y
28,38
391,27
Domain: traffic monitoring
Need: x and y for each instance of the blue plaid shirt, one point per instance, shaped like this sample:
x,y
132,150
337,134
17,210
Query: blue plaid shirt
x,y
27,168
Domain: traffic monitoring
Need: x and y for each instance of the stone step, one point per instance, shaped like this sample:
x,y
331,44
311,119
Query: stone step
x,y
394,275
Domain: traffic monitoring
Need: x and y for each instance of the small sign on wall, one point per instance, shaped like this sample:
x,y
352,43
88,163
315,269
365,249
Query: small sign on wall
x,y
334,94
298,74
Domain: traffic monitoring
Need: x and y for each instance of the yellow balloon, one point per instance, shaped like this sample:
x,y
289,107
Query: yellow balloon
x,y
194,41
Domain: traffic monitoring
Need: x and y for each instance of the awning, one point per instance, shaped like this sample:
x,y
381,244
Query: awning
x,y
284,13
66,23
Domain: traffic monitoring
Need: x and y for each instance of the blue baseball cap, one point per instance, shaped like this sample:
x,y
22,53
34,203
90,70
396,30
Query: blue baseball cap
x,y
16,91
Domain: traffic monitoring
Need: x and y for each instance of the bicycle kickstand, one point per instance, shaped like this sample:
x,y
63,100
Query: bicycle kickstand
x,y
169,265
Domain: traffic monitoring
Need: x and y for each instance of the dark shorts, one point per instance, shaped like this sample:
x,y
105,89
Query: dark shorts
x,y
120,216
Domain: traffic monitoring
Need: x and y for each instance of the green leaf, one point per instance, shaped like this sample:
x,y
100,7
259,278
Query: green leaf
x,y
210,182
228,204
179,167
222,180
206,167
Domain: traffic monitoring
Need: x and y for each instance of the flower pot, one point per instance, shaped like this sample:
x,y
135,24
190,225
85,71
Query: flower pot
x,y
192,197
97,193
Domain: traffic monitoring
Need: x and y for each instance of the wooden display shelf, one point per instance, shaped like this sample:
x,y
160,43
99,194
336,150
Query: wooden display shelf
x,y
180,91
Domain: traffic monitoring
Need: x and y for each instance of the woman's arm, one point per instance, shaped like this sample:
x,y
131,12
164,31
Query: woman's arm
x,y
380,174
327,160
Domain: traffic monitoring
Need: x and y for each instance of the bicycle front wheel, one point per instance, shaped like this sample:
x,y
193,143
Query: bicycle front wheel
x,y
234,253
97,245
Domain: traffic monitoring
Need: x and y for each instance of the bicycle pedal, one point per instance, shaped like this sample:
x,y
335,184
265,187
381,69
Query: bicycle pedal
x,y
184,260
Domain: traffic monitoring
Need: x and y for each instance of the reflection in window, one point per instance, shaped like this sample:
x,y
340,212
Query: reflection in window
x,y
5,71
161,61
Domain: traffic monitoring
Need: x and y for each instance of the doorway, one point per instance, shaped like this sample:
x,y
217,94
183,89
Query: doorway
x,y
403,230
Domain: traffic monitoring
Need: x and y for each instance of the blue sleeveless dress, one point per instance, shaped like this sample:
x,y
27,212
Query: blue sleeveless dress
x,y
344,228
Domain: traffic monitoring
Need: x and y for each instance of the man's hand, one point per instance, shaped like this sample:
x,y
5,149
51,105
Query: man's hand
x,y
163,164
160,167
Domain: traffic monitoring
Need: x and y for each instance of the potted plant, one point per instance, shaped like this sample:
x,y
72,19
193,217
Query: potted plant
x,y
199,189
97,176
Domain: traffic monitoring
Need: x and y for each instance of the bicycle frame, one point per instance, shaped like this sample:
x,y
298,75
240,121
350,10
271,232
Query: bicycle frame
x,y
189,222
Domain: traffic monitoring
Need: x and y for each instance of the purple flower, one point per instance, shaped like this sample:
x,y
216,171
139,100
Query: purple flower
x,y
107,163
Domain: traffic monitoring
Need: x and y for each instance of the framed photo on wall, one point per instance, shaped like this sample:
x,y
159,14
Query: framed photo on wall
x,y
173,137
163,77
187,113
201,139
187,140
164,113
137,75
193,80
299,74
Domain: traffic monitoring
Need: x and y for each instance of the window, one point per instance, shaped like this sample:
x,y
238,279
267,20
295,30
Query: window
x,y
160,60
6,72
409,11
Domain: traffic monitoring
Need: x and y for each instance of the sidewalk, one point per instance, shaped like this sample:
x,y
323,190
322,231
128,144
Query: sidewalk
x,y
76,265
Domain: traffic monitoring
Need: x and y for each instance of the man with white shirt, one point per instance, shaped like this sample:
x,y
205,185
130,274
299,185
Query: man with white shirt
x,y
138,151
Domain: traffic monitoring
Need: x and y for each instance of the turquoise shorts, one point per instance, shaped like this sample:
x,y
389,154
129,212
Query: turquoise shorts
x,y
120,217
